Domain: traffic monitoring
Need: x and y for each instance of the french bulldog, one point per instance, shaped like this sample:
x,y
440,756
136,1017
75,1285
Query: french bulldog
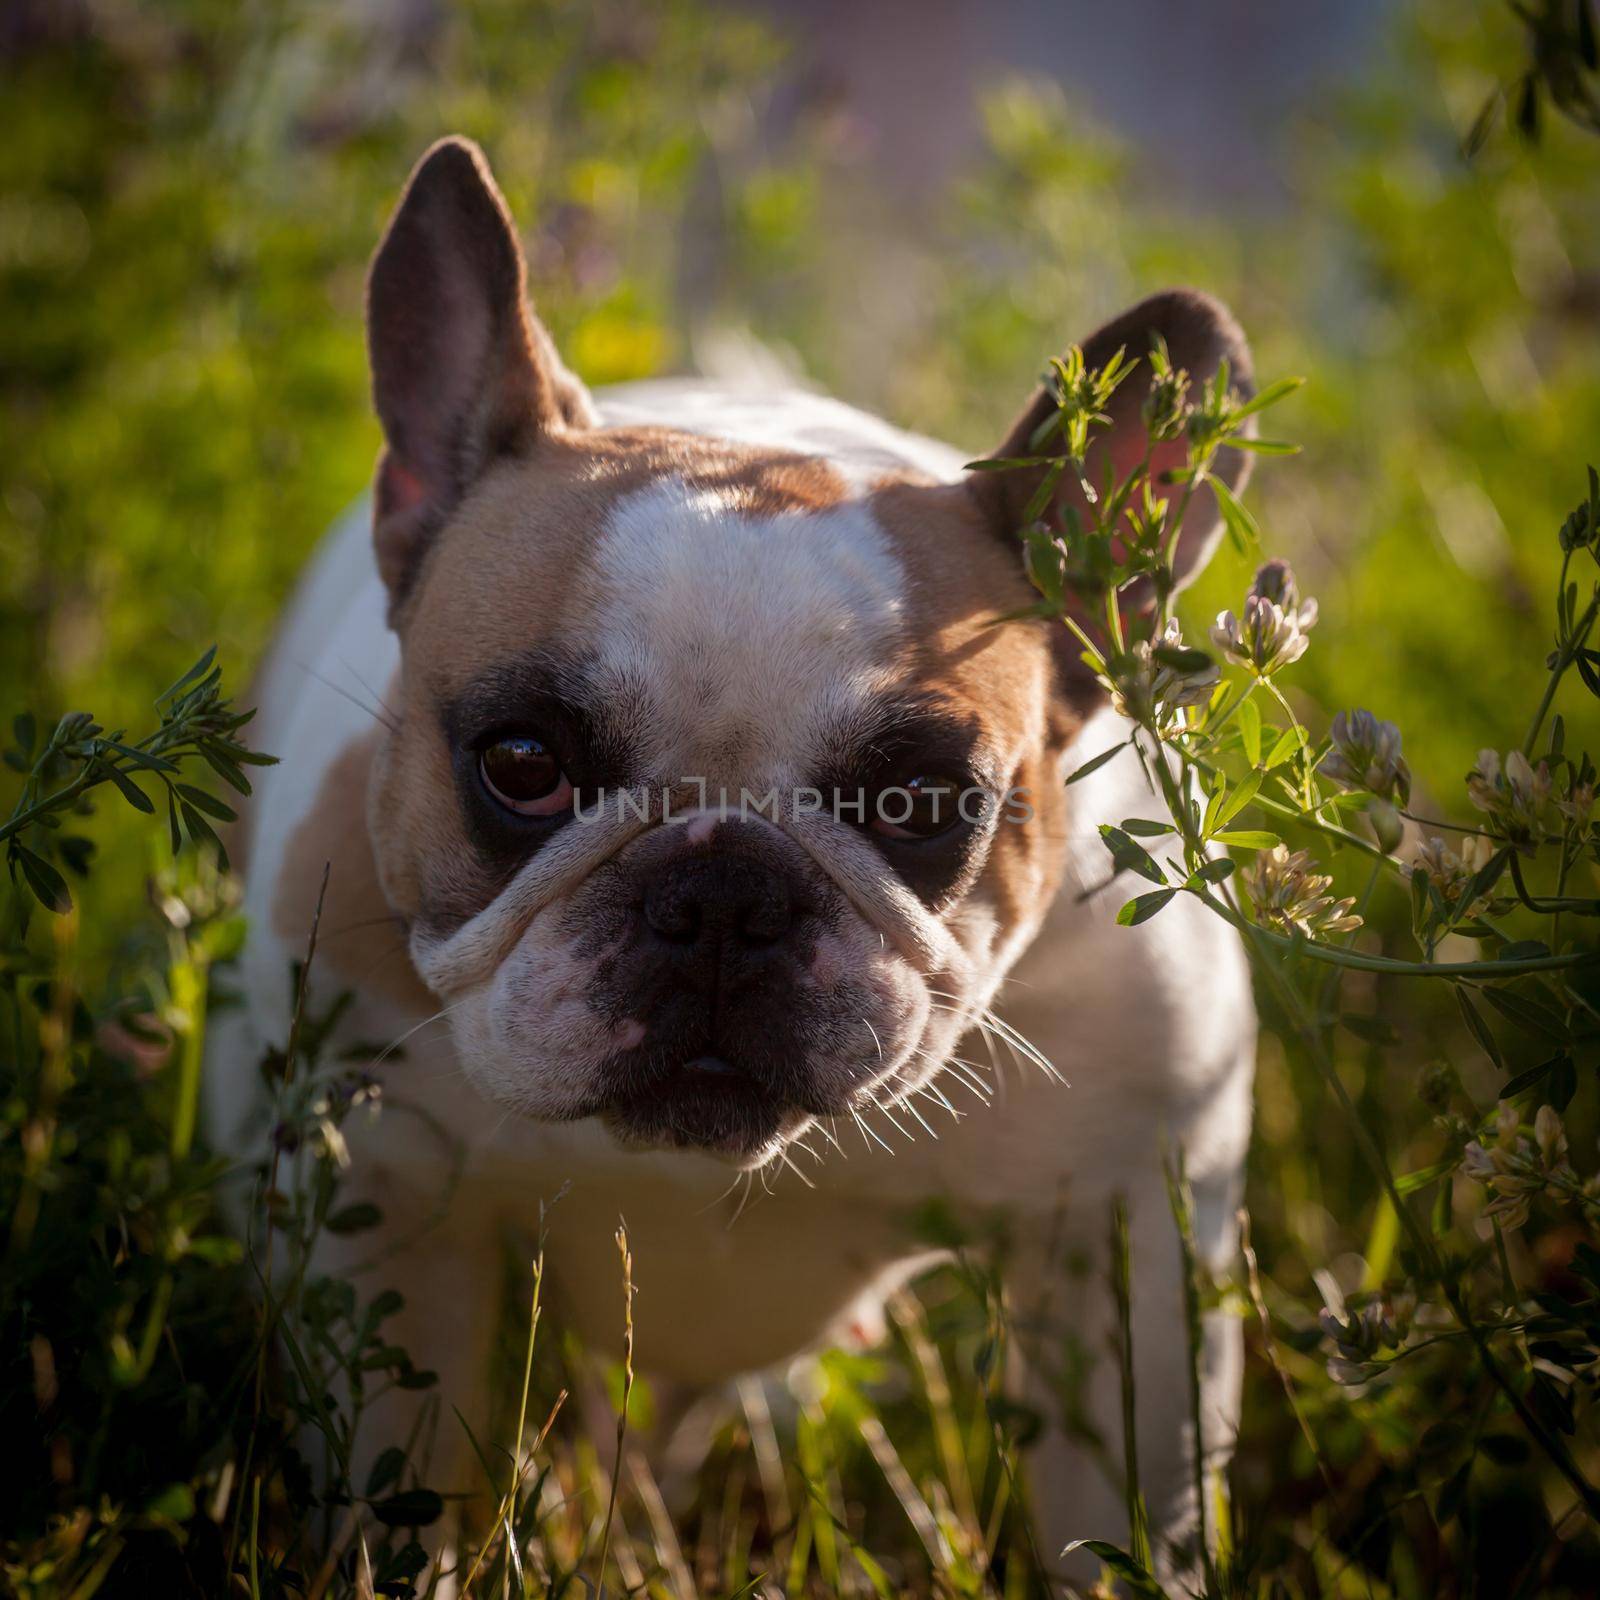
x,y
690,818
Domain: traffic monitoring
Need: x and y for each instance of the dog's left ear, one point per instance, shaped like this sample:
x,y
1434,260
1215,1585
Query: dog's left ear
x,y
462,372
1200,334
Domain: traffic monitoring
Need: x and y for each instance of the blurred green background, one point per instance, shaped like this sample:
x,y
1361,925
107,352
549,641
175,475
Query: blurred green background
x,y
189,193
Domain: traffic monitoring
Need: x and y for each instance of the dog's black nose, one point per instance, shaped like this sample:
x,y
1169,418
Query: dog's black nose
x,y
723,903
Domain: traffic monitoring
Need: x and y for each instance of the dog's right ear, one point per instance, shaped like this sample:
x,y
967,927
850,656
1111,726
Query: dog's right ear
x,y
462,372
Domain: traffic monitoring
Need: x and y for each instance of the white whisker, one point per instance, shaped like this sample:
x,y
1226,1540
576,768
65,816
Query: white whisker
x,y
967,1075
927,1128
783,1156
899,1126
744,1199
935,1093
868,1133
438,1016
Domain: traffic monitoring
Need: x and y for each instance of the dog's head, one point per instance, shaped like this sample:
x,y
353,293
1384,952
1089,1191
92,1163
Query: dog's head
x,y
716,803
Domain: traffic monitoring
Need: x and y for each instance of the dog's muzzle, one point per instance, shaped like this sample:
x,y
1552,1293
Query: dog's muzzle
x,y
715,964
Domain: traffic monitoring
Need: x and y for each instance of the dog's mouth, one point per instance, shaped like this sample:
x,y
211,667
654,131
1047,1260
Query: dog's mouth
x,y
708,1102
709,1098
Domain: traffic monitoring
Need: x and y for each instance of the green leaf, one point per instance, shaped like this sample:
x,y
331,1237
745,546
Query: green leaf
x,y
131,792
141,758
1239,799
1528,1014
1144,828
1483,880
385,1304
1122,1565
1249,715
1044,493
1270,396
1410,1182
1130,857
201,832
1478,1028
1522,950
225,768
207,803
1242,527
1143,907
1263,447
1094,763
411,1508
1010,463
1219,789
386,1469
1248,839
198,670
384,1358
1213,872
49,887
1530,1079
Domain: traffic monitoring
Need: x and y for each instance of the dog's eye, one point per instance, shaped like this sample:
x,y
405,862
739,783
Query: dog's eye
x,y
524,775
920,807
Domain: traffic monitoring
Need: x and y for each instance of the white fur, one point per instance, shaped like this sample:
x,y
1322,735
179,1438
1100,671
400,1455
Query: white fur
x,y
1151,1026
750,632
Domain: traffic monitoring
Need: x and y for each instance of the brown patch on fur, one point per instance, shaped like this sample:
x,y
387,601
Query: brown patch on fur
x,y
765,485
961,577
361,939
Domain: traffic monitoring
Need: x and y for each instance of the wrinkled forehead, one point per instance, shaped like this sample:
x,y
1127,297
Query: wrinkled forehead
x,y
726,615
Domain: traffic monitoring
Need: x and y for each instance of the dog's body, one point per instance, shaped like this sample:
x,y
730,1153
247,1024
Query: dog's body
x,y
750,576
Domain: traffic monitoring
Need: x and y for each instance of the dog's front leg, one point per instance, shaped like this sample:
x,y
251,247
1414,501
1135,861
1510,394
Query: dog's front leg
x,y
1067,1345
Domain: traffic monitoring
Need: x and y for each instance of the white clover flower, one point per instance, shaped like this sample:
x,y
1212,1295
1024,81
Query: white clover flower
x,y
1290,896
1152,690
1513,796
1577,805
1450,871
1550,1136
1365,754
1514,1168
1272,632
1361,1336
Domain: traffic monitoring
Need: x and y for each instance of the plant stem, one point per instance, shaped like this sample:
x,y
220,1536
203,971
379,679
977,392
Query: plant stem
x,y
1169,548
1336,956
1214,727
1565,656
1122,1294
62,797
